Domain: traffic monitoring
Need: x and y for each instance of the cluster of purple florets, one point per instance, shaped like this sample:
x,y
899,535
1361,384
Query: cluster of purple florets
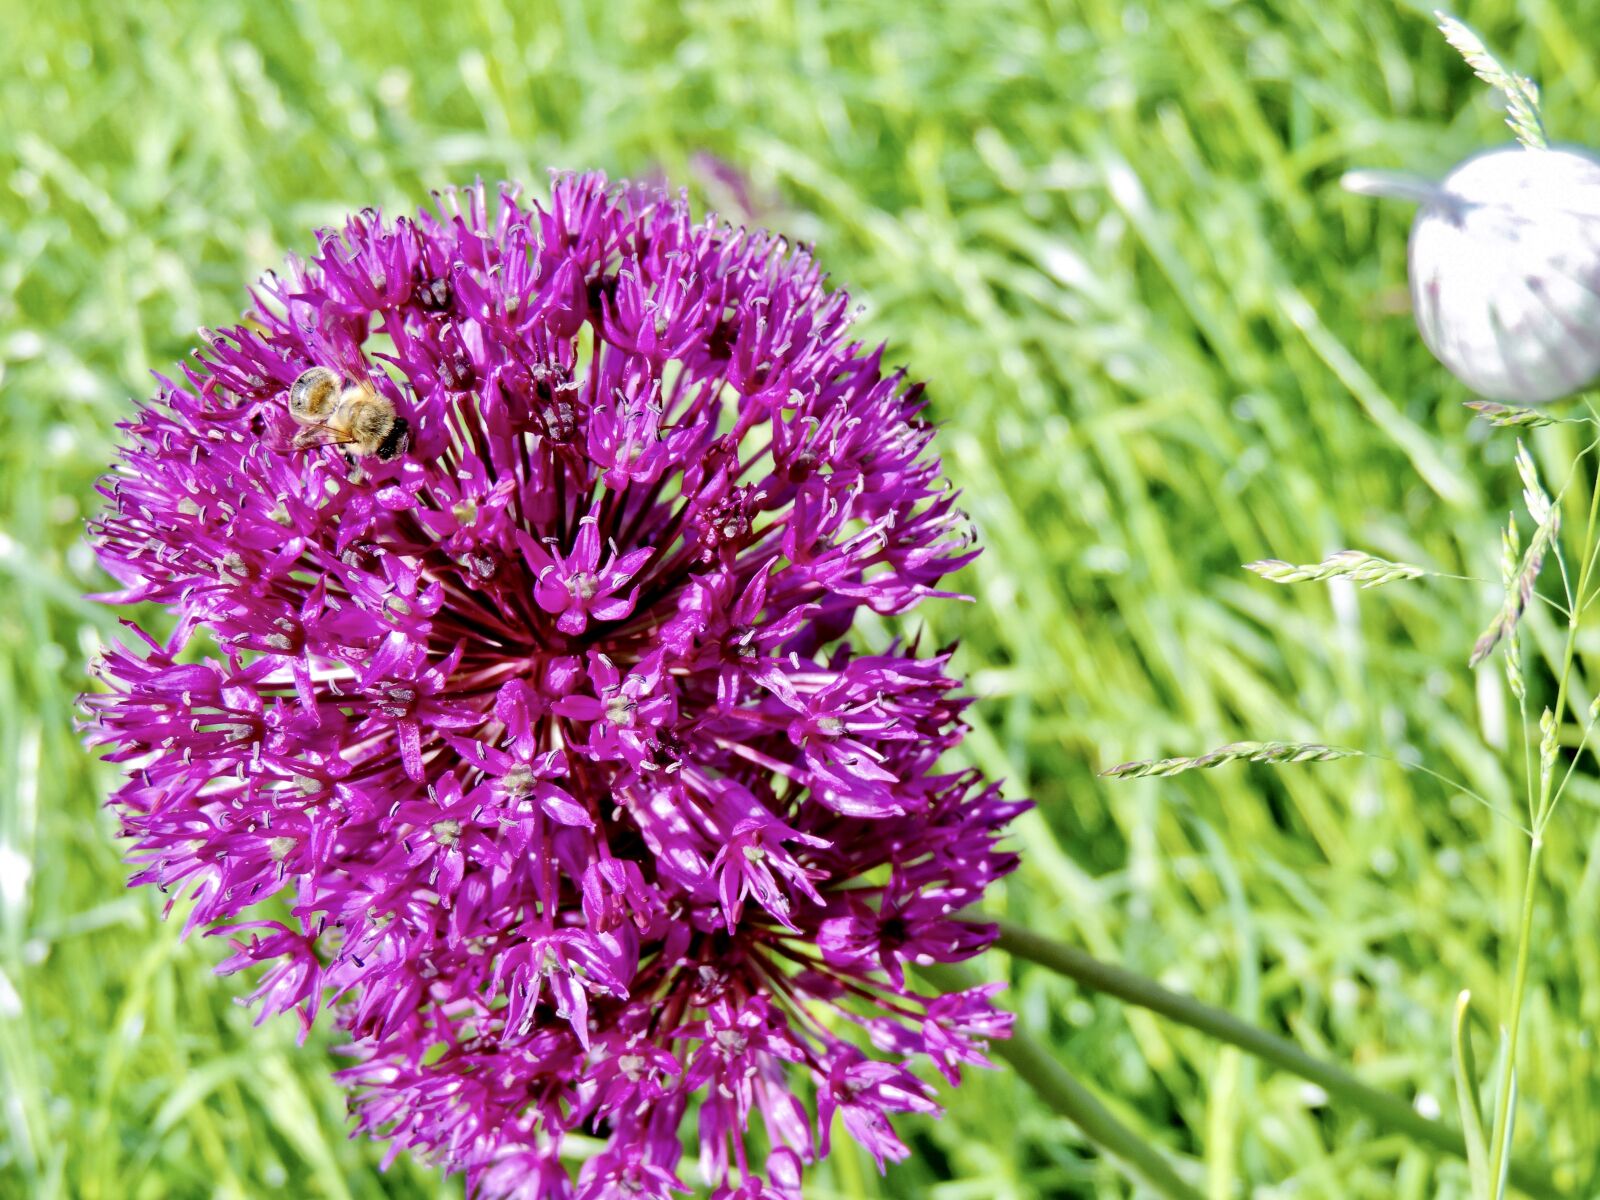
x,y
586,817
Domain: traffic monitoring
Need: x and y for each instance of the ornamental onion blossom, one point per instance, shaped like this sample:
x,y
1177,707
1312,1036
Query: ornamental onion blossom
x,y
586,817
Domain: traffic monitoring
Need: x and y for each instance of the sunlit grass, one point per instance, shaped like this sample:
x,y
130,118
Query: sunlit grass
x,y
1162,343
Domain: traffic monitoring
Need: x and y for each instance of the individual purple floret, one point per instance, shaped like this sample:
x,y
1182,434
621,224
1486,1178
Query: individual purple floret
x,y
587,818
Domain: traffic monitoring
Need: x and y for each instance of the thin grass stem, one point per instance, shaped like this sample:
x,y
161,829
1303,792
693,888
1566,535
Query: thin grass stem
x,y
1541,815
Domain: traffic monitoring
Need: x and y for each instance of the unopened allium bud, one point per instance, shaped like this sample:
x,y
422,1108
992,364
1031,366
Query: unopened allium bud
x,y
1505,267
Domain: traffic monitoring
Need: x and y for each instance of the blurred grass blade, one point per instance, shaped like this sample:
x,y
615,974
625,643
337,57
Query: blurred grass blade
x,y
1466,1069
1504,1122
1505,1145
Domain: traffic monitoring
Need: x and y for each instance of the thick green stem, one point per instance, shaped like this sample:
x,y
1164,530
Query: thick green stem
x,y
1057,1088
1139,990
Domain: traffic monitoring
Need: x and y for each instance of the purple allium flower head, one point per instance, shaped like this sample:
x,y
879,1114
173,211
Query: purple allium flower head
x,y
586,816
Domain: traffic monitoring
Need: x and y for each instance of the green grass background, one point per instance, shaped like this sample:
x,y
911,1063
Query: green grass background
x,y
1162,342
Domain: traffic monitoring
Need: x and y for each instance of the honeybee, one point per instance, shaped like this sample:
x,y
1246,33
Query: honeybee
x,y
331,412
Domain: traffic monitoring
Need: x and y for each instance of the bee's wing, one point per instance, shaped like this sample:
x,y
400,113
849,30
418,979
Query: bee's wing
x,y
319,435
278,429
284,435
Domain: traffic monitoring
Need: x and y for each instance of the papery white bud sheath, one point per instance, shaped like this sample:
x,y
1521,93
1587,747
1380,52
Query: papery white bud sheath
x,y
1505,269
